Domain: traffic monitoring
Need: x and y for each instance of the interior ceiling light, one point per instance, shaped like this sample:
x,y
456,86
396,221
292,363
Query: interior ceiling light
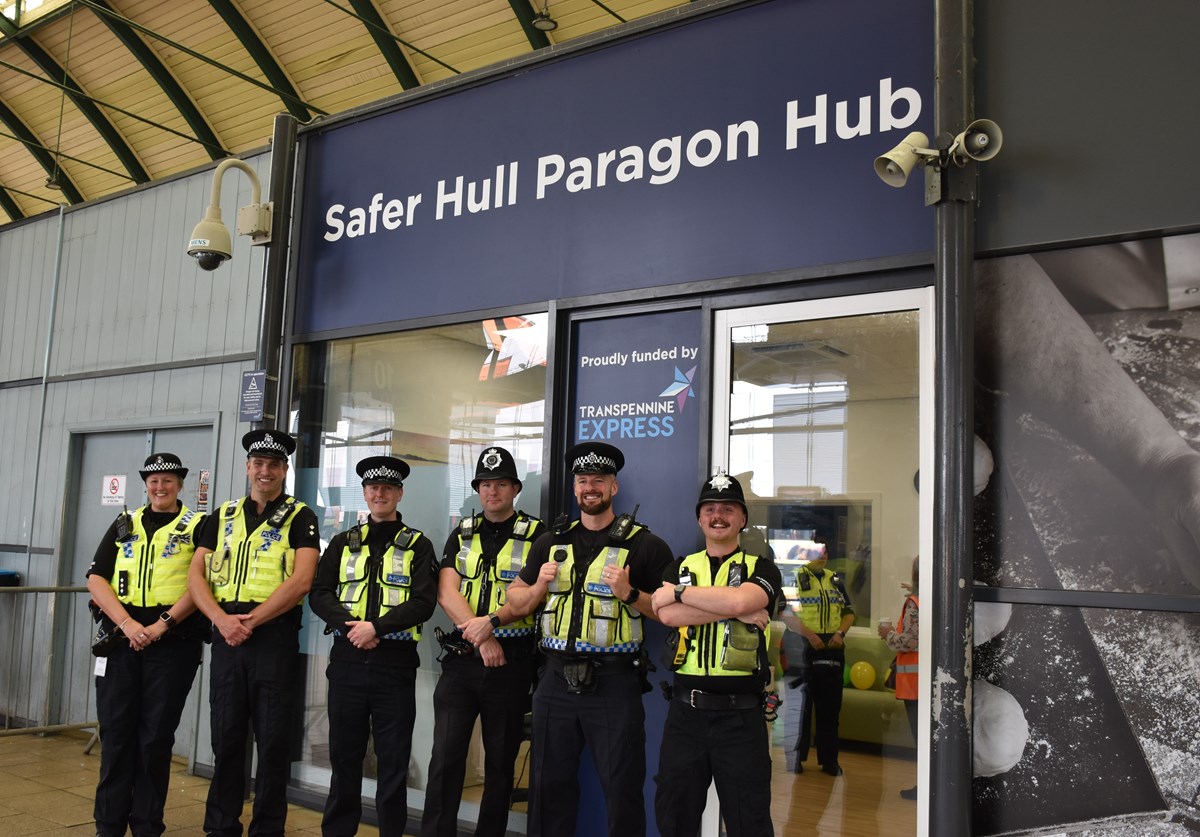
x,y
543,21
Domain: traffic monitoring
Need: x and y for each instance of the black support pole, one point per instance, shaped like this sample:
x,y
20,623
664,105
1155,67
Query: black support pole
x,y
953,570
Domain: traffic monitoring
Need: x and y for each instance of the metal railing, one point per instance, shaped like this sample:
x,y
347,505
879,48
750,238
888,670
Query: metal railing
x,y
46,664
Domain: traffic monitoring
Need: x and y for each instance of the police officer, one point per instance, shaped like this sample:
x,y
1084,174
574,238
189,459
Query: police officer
x,y
138,579
375,586
254,563
596,576
721,601
482,556
822,616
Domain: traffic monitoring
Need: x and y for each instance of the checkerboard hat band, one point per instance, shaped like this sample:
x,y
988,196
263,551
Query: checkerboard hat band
x,y
382,473
163,463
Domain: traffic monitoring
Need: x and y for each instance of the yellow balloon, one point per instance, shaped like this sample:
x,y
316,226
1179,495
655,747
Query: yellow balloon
x,y
862,675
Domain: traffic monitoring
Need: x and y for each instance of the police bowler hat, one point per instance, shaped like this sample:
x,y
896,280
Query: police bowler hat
x,y
495,464
163,463
722,488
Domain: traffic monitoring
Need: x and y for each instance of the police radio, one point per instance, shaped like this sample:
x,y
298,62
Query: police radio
x,y
621,526
124,524
561,524
354,539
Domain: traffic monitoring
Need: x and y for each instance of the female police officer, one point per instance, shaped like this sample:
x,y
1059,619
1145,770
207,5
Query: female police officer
x,y
138,578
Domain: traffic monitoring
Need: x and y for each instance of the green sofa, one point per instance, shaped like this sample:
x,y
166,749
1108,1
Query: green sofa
x,y
873,715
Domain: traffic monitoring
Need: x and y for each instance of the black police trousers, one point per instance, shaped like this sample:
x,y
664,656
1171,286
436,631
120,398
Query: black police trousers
x,y
728,746
822,698
499,697
367,700
253,686
612,722
139,700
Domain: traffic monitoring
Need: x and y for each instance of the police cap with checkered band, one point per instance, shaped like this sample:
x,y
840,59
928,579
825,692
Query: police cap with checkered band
x,y
163,463
271,444
383,470
594,458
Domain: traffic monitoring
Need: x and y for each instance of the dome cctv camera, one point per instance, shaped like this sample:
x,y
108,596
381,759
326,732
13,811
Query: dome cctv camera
x,y
208,259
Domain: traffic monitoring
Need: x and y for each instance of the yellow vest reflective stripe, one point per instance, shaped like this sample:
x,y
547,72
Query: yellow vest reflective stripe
x,y
155,567
587,617
250,566
821,604
706,651
393,576
494,577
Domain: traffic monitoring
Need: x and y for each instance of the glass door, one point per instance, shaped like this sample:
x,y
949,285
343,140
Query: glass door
x,y
823,411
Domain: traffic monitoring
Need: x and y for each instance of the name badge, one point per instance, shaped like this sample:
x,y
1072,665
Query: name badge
x,y
598,589
396,578
509,575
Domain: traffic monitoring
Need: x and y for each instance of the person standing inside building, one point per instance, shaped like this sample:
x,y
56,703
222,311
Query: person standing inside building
x,y
720,601
138,580
254,564
374,589
483,555
905,643
822,616
595,575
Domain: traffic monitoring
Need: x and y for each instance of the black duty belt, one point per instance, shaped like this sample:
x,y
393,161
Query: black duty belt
x,y
710,700
601,663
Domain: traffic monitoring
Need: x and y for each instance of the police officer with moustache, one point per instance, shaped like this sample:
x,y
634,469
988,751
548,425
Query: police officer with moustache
x,y
481,558
721,601
375,586
138,579
822,616
595,576
254,563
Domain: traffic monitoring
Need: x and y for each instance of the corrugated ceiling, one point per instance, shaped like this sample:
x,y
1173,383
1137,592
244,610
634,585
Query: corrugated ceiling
x,y
101,95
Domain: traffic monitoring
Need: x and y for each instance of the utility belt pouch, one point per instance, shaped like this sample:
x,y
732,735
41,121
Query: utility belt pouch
x,y
678,644
741,646
580,676
107,636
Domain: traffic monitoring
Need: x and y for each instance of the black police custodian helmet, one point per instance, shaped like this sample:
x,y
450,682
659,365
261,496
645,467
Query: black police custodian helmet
x,y
594,458
272,444
163,463
383,470
722,488
495,464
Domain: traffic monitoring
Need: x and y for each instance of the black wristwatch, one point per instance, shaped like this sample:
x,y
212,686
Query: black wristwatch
x,y
632,597
166,618
494,620
679,588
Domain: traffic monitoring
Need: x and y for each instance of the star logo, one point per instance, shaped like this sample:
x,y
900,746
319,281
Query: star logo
x,y
681,388
720,481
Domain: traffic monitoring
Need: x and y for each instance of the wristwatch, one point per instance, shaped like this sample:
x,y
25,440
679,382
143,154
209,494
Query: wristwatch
x,y
166,618
494,620
632,597
679,588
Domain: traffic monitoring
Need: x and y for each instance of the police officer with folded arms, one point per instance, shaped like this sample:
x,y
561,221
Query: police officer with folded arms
x,y
375,586
254,563
482,556
595,576
138,580
720,602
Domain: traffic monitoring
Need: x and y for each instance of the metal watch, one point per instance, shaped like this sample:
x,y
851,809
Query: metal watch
x,y
166,618
679,588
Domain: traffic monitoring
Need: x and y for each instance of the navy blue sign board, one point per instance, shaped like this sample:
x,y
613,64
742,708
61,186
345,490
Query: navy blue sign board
x,y
250,403
734,144
634,384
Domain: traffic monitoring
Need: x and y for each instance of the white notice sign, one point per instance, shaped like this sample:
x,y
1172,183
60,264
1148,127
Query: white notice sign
x,y
113,492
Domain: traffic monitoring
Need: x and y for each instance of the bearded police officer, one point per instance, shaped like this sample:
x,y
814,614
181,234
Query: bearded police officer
x,y
375,587
596,576
482,557
253,565
138,580
720,601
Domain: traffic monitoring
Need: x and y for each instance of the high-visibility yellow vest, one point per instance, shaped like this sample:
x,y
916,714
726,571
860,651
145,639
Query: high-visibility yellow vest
x,y
484,584
713,647
392,574
249,566
152,570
